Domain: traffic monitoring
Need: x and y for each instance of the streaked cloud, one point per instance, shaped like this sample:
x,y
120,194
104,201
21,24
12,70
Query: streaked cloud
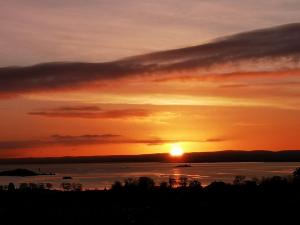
x,y
101,30
226,56
90,139
92,112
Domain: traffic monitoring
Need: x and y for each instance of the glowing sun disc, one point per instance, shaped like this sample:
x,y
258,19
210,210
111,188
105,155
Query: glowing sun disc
x,y
176,150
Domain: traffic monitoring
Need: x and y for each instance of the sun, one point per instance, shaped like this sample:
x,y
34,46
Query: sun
x,y
176,150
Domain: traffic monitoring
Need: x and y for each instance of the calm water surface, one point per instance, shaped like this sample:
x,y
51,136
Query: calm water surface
x,y
101,175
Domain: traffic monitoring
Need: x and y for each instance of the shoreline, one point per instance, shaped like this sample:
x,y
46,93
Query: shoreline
x,y
228,156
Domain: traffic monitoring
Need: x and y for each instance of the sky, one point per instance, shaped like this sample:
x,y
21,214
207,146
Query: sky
x,y
112,77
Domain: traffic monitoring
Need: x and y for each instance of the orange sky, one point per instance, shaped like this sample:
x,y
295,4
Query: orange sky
x,y
238,92
144,116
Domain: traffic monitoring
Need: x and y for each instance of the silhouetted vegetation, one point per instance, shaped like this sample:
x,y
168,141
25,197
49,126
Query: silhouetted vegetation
x,y
71,187
140,201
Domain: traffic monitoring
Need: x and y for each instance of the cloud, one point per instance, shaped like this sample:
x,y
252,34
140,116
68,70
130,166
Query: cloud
x,y
229,76
90,139
77,108
214,140
230,55
92,112
64,140
83,137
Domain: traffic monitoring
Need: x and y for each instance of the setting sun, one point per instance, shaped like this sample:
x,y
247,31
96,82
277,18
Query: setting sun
x,y
176,150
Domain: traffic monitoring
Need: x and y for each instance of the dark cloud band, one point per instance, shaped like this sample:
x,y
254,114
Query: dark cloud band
x,y
92,112
267,44
90,139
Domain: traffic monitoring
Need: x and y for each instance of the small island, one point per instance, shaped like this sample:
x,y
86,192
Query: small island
x,y
22,173
183,165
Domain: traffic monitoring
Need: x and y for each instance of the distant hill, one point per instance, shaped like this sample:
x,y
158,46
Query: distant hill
x,y
23,173
194,157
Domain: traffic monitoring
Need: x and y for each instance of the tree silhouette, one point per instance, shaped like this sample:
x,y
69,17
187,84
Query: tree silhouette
x,y
183,181
195,184
239,179
296,175
172,182
11,187
116,186
146,183
66,186
164,185
23,186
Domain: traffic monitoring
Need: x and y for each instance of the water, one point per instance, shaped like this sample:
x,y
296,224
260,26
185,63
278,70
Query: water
x,y
101,175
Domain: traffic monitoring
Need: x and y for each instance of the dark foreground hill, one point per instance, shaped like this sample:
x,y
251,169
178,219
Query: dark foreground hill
x,y
195,157
152,208
269,201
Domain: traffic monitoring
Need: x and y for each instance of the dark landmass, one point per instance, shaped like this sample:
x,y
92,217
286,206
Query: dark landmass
x,y
273,200
22,173
195,157
183,165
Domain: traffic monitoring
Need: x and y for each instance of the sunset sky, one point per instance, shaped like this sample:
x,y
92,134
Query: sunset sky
x,y
110,77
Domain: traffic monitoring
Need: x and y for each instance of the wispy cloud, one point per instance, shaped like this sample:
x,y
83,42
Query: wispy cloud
x,y
92,112
230,76
91,139
279,44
